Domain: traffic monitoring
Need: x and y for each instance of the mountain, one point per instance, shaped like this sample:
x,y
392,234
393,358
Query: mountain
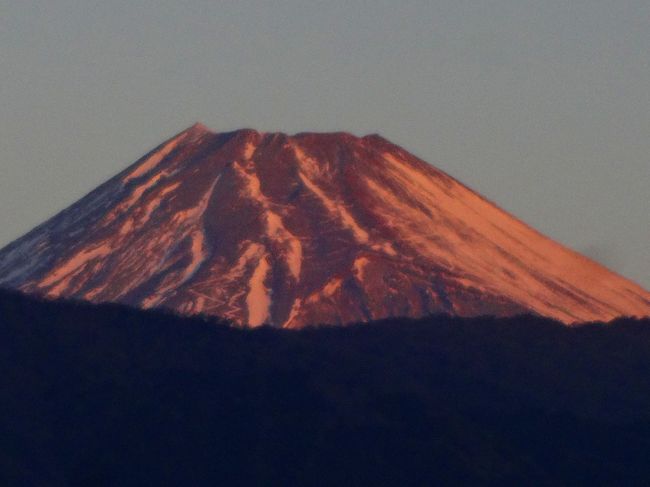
x,y
304,229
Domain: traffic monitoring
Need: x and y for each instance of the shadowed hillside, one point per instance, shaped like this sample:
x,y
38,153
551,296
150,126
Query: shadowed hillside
x,y
108,395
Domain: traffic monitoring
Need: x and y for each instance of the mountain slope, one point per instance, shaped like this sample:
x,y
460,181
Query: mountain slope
x,y
312,228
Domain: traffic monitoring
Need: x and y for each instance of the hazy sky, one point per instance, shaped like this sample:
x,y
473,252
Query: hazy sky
x,y
542,106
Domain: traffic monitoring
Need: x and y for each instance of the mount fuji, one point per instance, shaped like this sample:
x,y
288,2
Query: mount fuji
x,y
267,228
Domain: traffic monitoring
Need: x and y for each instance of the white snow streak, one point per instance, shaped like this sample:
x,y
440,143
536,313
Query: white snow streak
x,y
191,218
275,228
66,271
258,300
309,165
338,210
359,266
153,160
295,309
249,150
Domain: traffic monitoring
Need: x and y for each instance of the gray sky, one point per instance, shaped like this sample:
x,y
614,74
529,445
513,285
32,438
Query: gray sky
x,y
542,106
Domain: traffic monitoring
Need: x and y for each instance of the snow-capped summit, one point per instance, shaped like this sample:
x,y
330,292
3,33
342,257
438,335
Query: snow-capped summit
x,y
304,229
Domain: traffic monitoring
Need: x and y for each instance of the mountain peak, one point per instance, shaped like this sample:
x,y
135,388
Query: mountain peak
x,y
198,127
293,230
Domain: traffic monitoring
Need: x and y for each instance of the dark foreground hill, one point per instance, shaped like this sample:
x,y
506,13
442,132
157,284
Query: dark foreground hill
x,y
107,395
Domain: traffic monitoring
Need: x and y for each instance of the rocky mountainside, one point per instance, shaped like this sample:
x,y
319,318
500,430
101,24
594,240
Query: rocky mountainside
x,y
304,229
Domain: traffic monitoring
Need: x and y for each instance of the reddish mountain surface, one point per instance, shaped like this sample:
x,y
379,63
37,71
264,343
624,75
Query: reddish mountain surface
x,y
297,230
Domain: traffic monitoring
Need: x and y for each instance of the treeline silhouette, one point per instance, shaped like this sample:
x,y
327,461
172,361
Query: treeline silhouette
x,y
108,395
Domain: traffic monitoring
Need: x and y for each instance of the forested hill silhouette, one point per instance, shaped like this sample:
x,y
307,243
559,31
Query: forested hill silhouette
x,y
109,395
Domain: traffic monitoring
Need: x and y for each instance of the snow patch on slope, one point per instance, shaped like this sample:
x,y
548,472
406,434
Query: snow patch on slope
x,y
154,159
359,267
258,300
63,274
308,165
329,289
293,314
249,150
223,292
337,209
191,219
468,230
275,228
